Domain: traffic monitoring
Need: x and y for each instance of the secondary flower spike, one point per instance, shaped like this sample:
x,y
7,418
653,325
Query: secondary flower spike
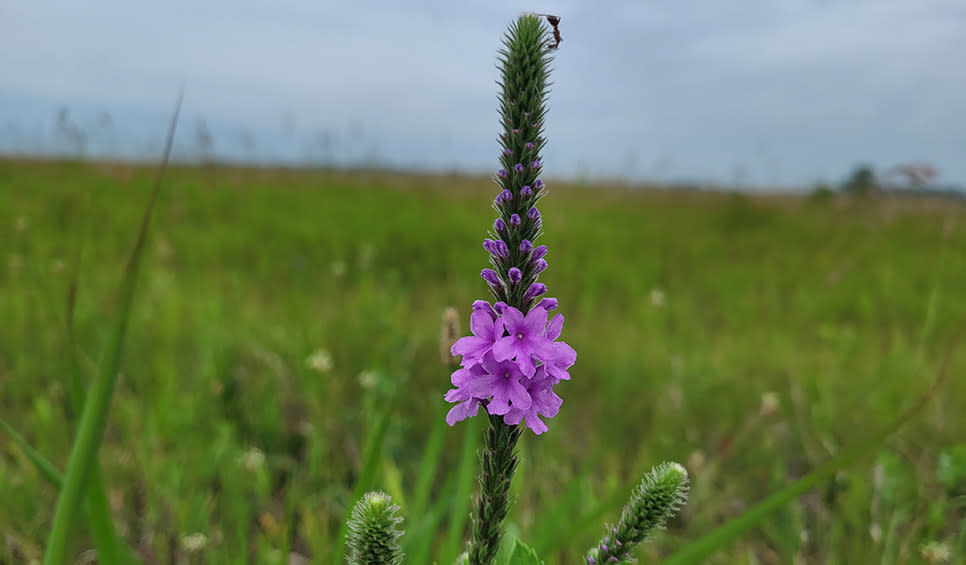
x,y
513,359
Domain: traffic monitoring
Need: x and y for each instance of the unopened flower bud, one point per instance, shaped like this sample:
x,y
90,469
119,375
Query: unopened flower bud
x,y
547,304
535,290
538,253
490,276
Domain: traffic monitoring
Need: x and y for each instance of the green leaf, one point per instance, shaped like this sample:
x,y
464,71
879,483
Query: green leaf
x,y
523,554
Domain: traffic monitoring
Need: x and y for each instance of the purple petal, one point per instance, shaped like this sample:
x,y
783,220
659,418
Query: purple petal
x,y
525,363
470,347
564,355
481,324
513,320
461,377
504,348
484,306
463,411
536,424
518,395
535,322
554,327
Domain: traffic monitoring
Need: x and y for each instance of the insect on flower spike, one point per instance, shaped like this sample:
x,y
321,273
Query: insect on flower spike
x,y
554,22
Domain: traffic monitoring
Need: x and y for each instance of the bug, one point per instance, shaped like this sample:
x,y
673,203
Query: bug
x,y
554,22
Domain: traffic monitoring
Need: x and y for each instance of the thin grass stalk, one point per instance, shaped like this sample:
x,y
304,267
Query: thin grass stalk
x,y
94,415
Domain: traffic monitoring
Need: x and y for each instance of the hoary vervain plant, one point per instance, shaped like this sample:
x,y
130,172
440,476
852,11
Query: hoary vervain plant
x,y
513,360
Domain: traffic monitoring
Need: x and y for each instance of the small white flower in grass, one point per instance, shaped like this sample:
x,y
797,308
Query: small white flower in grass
x,y
320,360
368,379
875,532
657,297
770,403
193,543
253,459
936,552
21,224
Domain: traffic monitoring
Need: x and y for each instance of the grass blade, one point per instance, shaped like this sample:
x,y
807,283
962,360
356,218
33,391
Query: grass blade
x,y
373,455
46,468
464,489
414,542
94,416
699,550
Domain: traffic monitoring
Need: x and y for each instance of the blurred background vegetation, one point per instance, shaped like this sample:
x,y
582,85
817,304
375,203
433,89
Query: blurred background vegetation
x,y
283,313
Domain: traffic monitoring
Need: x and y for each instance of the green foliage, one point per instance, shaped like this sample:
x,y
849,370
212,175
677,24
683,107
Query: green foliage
x,y
245,281
373,537
522,554
951,468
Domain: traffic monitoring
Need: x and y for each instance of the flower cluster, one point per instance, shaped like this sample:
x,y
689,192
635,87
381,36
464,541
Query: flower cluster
x,y
510,364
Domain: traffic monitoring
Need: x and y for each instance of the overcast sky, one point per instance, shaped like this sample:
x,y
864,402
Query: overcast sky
x,y
767,92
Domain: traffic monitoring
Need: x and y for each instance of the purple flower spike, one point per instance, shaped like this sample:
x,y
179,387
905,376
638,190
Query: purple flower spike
x,y
514,275
499,225
538,253
526,339
526,247
526,191
535,164
490,276
502,173
529,145
535,290
484,306
514,220
506,195
539,266
518,167
538,184
533,213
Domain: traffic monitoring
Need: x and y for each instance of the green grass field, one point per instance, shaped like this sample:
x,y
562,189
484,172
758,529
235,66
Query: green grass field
x,y
282,313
